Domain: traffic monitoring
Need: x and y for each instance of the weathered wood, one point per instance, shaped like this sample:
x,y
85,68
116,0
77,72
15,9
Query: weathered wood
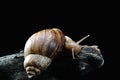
x,y
63,67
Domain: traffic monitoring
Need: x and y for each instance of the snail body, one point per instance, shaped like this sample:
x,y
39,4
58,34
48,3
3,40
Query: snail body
x,y
43,46
74,46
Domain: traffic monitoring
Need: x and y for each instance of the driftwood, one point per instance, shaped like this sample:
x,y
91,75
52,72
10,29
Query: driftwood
x,y
64,67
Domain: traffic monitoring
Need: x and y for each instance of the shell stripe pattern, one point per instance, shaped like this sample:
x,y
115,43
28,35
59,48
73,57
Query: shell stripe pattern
x,y
48,42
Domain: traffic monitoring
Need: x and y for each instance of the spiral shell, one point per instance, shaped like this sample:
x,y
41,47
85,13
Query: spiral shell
x,y
46,42
41,48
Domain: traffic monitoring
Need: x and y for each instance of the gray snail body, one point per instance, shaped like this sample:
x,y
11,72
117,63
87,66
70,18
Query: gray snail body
x,y
43,46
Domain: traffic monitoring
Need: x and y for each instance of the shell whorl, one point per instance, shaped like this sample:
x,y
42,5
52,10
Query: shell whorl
x,y
35,63
46,42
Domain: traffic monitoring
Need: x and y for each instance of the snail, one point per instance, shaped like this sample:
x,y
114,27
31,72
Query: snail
x,y
43,46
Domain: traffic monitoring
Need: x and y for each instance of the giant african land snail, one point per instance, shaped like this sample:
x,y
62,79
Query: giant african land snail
x,y
43,46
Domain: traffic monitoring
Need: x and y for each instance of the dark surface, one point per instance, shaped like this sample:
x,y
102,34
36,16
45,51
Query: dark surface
x,y
18,22
63,67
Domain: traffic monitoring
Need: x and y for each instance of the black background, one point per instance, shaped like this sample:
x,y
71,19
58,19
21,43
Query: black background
x,y
18,22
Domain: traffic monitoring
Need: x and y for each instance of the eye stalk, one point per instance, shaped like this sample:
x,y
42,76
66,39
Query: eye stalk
x,y
73,46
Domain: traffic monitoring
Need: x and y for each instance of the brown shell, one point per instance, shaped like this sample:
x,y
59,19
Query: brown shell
x,y
48,42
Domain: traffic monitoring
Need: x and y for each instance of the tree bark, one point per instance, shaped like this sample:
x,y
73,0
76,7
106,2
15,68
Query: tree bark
x,y
63,67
